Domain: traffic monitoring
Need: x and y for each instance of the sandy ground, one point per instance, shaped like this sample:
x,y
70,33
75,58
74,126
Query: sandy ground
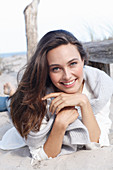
x,y
19,159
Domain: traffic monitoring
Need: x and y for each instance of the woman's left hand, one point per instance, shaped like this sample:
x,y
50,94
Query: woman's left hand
x,y
63,100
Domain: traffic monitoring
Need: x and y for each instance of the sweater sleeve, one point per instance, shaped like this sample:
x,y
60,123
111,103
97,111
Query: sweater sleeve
x,y
39,153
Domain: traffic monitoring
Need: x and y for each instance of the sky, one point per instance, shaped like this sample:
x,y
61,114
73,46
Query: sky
x,y
81,17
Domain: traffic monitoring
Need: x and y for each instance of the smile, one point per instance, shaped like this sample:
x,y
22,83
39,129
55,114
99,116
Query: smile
x,y
69,83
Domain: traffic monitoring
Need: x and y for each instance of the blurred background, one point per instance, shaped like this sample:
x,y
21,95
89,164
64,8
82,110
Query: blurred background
x,y
88,20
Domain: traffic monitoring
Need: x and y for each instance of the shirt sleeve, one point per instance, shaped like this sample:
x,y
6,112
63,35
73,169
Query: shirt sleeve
x,y
104,123
38,154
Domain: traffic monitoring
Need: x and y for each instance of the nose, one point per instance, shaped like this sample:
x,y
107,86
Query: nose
x,y
66,74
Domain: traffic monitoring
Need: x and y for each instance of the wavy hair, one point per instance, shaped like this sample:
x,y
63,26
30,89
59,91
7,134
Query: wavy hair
x,y
27,108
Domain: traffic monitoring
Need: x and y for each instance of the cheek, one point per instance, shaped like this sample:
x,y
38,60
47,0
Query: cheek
x,y
54,78
79,72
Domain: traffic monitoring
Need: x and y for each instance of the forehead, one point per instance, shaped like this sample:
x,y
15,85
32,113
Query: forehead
x,y
63,53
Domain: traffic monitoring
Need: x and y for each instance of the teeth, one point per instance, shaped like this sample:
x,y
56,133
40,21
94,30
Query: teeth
x,y
69,83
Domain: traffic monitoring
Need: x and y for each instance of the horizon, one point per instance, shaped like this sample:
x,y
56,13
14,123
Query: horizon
x,y
9,54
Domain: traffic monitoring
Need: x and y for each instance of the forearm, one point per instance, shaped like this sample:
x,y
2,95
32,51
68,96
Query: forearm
x,y
89,121
53,145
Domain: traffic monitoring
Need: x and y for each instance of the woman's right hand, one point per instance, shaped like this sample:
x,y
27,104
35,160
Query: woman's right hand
x,y
52,146
66,116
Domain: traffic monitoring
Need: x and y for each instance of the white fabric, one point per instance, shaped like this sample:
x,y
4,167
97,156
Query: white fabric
x,y
104,123
102,118
12,139
38,154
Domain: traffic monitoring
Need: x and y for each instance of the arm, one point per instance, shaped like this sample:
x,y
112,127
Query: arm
x,y
104,123
53,144
63,100
89,119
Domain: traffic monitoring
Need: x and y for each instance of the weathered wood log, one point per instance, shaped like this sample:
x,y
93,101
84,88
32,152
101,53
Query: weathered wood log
x,y
30,13
100,54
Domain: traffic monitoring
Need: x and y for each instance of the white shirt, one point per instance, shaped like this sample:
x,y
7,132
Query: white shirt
x,y
103,121
12,139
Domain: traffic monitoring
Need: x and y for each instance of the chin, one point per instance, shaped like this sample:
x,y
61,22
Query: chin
x,y
70,91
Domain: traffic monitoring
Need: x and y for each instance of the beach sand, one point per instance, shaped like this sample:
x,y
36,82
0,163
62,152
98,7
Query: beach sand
x,y
20,159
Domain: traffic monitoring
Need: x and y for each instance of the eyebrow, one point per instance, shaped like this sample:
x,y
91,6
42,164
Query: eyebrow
x,y
52,65
72,60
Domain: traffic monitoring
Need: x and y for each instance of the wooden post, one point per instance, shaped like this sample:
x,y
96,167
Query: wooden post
x,y
30,14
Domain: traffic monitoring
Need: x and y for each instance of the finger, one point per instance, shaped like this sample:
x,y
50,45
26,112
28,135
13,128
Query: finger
x,y
50,95
54,104
59,103
60,107
64,104
74,116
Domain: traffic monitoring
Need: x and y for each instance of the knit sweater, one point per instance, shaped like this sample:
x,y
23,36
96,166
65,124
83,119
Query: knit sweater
x,y
101,85
77,134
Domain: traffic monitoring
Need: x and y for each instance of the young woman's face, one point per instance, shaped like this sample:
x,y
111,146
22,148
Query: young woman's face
x,y
66,68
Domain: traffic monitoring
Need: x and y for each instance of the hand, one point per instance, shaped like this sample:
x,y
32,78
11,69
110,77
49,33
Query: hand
x,y
53,145
65,117
63,100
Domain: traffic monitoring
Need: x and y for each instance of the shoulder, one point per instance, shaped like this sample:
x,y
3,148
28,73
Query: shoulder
x,y
100,84
96,75
93,70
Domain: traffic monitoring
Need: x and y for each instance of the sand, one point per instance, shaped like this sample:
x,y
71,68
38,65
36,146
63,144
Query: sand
x,y
20,159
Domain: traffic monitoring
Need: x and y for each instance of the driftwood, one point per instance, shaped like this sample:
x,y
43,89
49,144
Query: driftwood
x,y
30,13
100,54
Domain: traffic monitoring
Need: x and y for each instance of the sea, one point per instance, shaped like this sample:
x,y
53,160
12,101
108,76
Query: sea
x,y
2,55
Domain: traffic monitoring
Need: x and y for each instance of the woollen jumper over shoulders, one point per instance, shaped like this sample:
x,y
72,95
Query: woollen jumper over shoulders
x,y
101,86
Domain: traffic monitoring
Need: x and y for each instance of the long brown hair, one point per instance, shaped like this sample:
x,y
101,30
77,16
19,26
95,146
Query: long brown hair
x,y
27,108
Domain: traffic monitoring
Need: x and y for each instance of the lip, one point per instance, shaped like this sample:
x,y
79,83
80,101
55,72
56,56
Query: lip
x,y
69,83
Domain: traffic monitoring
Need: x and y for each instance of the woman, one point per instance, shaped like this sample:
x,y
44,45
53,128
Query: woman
x,y
60,104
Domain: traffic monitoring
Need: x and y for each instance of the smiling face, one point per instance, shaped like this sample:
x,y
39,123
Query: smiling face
x,y
66,68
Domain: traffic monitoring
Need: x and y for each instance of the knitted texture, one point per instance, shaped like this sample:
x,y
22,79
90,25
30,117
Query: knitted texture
x,y
101,86
77,134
